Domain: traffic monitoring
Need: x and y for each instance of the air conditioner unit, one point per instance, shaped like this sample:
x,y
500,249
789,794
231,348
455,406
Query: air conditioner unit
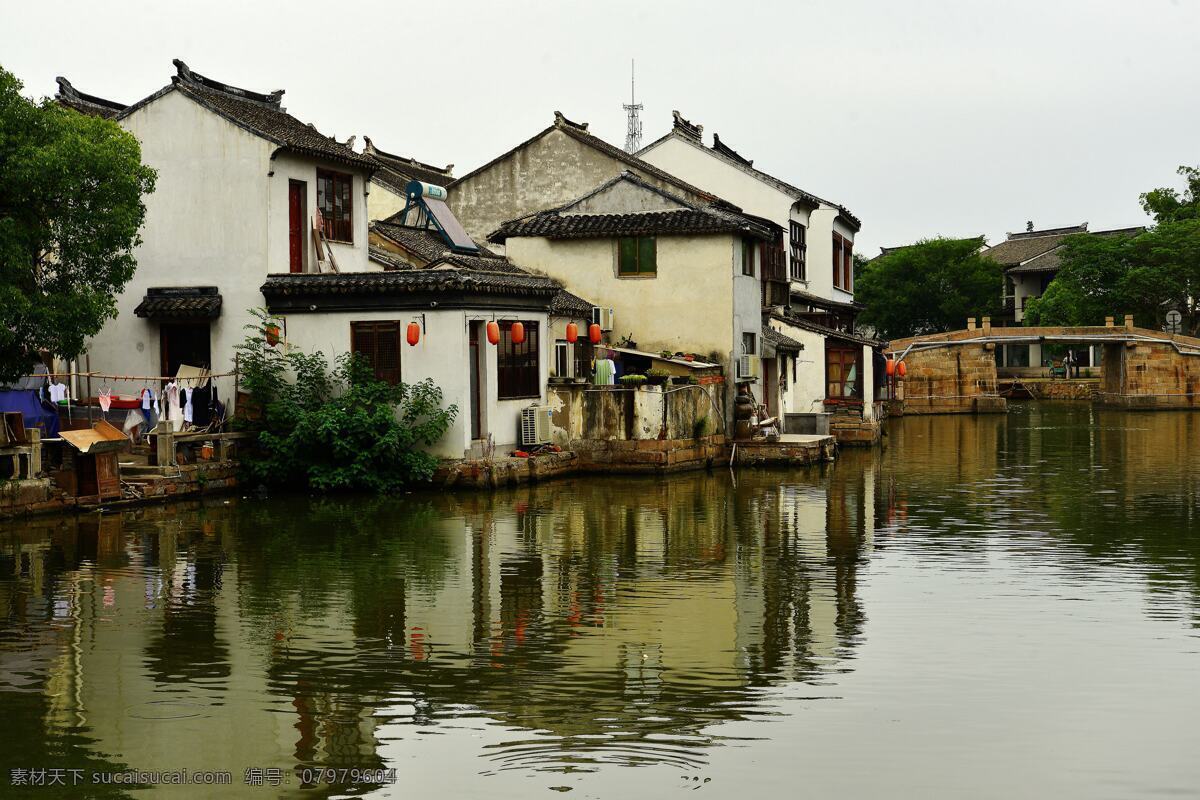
x,y
749,366
535,426
604,317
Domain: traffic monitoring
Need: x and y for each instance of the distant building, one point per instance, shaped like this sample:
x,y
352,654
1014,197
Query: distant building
x,y
1031,262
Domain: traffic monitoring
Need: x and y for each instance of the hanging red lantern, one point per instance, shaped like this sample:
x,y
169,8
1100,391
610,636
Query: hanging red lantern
x,y
414,333
901,369
572,332
594,333
493,332
517,332
891,367
272,331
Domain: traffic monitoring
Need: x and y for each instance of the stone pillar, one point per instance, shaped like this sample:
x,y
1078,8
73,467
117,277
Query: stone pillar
x,y
1109,322
1129,321
970,323
987,326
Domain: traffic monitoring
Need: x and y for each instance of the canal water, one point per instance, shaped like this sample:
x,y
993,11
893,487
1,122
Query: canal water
x,y
999,606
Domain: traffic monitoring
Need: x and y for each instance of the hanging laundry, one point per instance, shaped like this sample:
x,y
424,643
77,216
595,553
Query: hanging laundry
x,y
174,413
188,411
105,398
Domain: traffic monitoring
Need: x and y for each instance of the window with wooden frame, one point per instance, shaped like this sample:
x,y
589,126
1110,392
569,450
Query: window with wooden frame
x,y
379,344
517,368
847,265
799,247
335,202
837,260
748,248
637,256
842,372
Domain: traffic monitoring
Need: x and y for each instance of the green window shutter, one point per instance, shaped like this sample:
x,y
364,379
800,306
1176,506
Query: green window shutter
x,y
627,256
647,255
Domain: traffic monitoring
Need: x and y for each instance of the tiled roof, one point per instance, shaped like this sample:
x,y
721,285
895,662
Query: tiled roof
x,y
1051,260
824,330
421,242
387,259
688,218
260,114
780,341
395,171
566,304
1021,247
71,97
398,282
808,298
691,133
579,132
184,302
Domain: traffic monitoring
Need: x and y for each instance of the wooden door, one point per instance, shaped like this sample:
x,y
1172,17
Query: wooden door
x,y
473,355
297,191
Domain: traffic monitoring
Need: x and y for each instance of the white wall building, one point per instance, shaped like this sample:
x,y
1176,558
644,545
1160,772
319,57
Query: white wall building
x,y
819,269
240,182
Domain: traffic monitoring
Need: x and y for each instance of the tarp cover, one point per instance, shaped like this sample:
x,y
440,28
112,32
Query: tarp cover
x,y
37,415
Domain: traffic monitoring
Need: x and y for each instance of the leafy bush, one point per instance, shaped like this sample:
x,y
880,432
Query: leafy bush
x,y
334,430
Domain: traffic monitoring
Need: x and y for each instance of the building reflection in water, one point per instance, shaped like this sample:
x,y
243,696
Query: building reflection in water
x,y
614,620
271,634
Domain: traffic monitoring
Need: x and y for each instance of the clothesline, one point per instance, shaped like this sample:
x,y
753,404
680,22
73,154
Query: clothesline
x,y
113,377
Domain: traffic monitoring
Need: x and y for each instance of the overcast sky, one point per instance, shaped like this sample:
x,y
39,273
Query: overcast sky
x,y
923,117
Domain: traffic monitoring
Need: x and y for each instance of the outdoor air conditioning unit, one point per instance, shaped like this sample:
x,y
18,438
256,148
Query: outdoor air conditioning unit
x,y
749,366
535,426
604,317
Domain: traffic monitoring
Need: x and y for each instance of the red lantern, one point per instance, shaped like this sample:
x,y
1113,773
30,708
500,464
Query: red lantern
x,y
891,367
901,369
272,334
594,333
414,333
517,332
572,332
493,333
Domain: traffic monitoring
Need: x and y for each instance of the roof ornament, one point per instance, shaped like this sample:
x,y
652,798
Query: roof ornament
x,y
686,127
560,121
1029,226
726,150
185,74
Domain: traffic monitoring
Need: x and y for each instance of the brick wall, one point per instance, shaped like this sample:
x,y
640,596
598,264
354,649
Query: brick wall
x,y
958,379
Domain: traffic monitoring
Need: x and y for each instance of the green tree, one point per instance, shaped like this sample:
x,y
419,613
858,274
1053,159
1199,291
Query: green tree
x,y
69,218
1146,274
334,430
1171,205
929,287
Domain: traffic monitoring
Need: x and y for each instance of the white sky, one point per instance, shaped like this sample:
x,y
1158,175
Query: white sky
x,y
924,117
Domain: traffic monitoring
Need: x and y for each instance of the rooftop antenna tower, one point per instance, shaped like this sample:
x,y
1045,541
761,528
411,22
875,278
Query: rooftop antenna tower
x,y
633,130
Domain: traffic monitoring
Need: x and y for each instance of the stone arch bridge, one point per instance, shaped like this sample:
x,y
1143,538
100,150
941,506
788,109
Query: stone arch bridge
x,y
955,372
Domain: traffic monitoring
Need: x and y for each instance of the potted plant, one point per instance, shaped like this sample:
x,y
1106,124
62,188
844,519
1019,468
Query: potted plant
x,y
665,355
657,377
632,381
683,380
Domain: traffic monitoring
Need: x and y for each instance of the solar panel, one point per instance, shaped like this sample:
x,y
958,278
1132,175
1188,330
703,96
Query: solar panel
x,y
451,227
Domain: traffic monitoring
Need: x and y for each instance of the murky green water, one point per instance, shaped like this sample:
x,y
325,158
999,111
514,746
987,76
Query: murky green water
x,y
993,607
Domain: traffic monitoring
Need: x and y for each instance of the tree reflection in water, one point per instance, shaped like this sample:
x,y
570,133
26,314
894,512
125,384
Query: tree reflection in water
x,y
594,621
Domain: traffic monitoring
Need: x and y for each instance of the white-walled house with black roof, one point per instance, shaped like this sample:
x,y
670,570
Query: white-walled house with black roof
x,y
240,183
